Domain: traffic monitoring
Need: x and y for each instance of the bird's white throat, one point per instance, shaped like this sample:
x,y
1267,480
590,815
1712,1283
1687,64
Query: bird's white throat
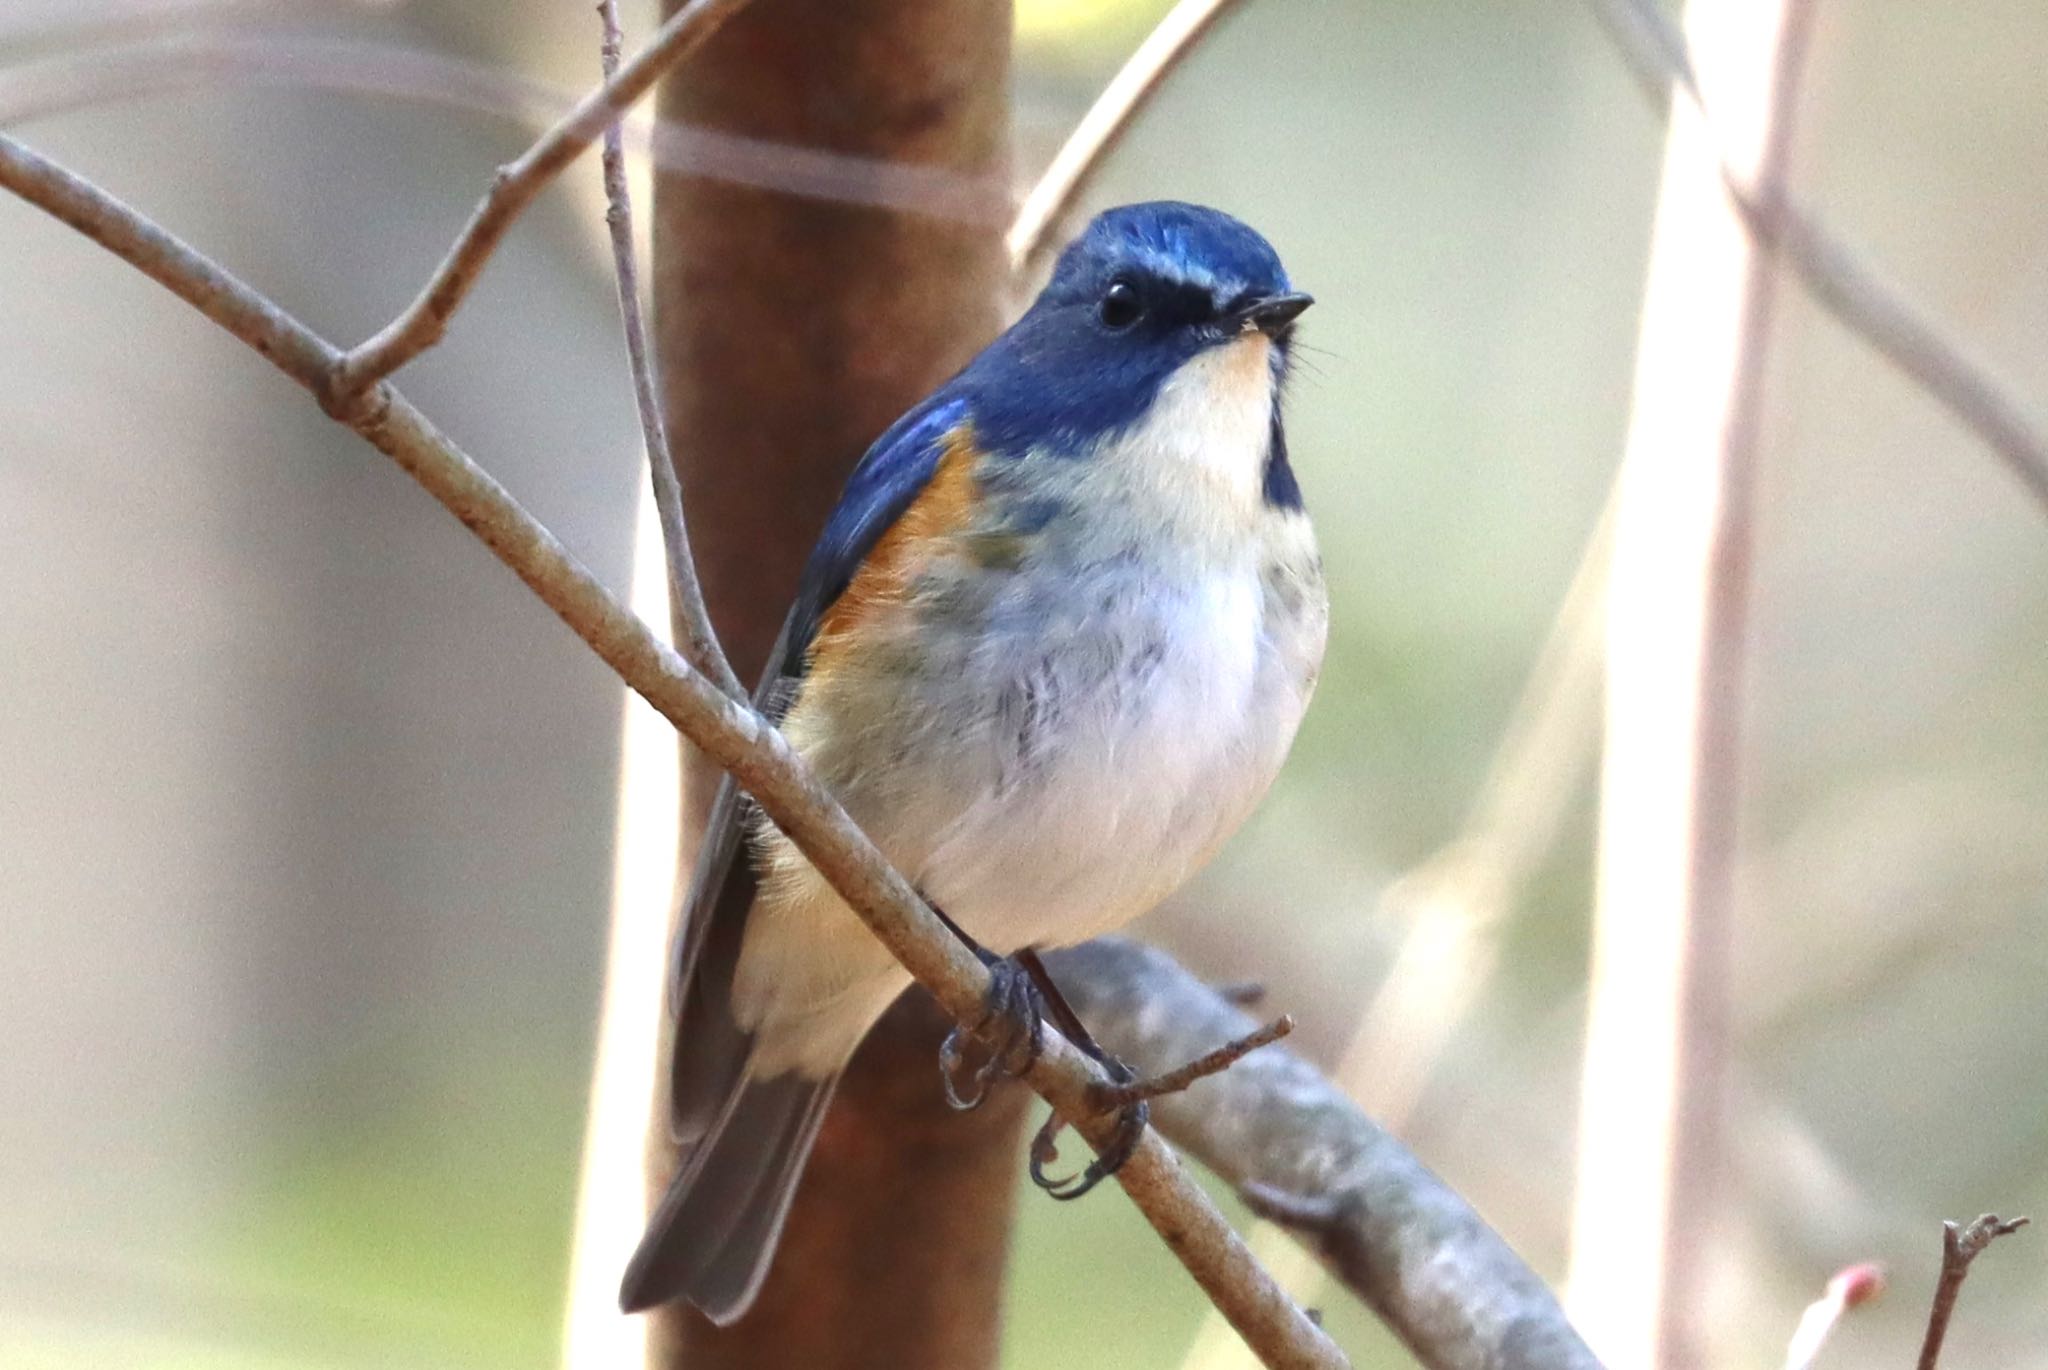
x,y
1213,419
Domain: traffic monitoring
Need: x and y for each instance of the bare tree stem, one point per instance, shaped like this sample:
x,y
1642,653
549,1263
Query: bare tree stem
x,y
848,307
1959,1246
690,620
515,186
727,731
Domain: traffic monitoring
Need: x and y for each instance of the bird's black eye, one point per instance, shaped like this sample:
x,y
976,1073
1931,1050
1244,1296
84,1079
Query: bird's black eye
x,y
1120,306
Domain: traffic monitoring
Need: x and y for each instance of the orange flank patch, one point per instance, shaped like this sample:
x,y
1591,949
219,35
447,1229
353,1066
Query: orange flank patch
x,y
944,507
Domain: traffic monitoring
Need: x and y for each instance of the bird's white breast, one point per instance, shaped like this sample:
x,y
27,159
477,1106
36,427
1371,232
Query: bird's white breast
x,y
1187,671
1150,770
1049,750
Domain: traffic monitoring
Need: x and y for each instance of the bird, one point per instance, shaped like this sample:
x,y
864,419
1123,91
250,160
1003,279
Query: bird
x,y
1049,652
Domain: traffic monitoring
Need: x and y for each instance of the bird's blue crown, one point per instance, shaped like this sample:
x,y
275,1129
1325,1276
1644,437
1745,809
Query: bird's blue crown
x,y
1172,244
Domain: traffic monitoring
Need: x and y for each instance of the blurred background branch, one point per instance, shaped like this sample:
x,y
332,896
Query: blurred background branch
x,y
1651,1159
1834,272
94,72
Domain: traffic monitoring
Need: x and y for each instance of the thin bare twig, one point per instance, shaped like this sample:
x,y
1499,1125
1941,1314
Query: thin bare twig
x,y
514,187
1959,1246
1201,1068
1105,124
1835,273
689,619
1116,1098
1849,1289
725,729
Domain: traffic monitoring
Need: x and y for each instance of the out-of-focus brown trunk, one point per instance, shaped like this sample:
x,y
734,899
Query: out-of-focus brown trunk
x,y
790,332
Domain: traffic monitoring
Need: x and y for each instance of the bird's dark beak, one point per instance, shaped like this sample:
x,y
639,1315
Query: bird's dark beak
x,y
1270,314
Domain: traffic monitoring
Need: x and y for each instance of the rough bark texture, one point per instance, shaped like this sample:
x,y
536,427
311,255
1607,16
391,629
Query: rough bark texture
x,y
1306,1156
790,332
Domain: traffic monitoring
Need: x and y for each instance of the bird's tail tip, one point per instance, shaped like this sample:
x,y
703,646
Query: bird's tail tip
x,y
711,1238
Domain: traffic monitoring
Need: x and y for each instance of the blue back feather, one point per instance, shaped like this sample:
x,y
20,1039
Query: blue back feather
x,y
882,486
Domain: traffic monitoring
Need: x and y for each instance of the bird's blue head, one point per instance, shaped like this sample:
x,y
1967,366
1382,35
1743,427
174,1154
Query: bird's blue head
x,y
1161,315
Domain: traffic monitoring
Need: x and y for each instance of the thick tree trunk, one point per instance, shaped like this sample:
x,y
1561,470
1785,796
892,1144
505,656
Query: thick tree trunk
x,y
790,332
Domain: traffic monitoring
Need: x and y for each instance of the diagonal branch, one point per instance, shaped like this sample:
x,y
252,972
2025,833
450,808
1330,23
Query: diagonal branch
x,y
725,729
1835,273
515,186
1105,124
690,620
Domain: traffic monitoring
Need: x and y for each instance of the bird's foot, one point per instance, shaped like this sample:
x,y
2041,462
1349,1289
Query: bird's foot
x,y
1012,1030
1129,1098
1021,995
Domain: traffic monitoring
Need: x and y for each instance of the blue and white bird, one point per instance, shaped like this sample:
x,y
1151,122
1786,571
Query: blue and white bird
x,y
1049,653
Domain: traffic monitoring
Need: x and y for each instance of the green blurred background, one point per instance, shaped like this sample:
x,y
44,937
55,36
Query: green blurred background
x,y
306,806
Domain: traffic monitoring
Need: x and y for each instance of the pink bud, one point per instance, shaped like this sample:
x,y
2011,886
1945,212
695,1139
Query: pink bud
x,y
1858,1284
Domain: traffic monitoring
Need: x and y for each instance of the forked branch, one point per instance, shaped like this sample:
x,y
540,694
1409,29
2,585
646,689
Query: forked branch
x,y
690,620
1959,1246
514,187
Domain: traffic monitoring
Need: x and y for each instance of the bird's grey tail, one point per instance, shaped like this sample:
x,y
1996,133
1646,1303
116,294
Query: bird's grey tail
x,y
743,1140
712,1235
